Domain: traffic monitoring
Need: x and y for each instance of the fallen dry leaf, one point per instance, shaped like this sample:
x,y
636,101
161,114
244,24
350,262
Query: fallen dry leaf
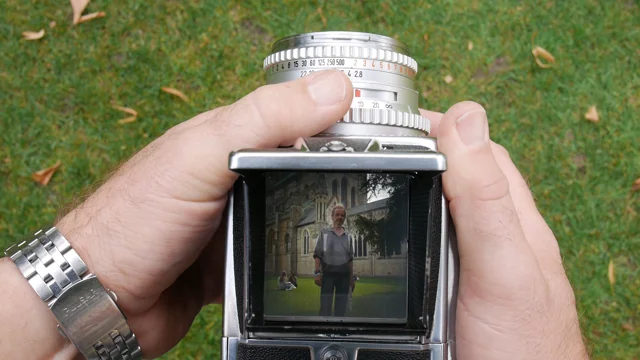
x,y
7,160
127,120
627,326
130,111
126,109
426,38
88,17
322,17
32,35
539,52
52,24
44,176
592,114
78,7
175,92
448,79
611,273
636,185
470,46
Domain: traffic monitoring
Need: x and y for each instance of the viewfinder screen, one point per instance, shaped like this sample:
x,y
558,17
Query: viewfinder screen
x,y
352,229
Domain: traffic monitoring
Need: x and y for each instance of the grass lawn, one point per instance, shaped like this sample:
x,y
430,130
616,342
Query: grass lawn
x,y
373,297
56,94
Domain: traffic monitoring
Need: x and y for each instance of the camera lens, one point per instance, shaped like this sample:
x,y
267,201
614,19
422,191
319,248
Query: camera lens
x,y
380,68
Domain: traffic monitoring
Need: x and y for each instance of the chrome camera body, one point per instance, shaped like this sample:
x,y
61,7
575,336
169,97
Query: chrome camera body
x,y
341,247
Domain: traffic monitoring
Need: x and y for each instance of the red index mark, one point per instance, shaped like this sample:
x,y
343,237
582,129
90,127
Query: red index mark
x,y
357,92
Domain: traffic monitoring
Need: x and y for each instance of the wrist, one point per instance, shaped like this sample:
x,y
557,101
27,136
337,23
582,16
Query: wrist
x,y
74,300
91,241
23,309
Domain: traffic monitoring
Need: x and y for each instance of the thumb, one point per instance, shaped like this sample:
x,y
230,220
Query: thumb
x,y
172,193
489,232
270,116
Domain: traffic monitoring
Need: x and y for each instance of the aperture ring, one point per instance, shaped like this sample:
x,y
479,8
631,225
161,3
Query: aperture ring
x,y
358,52
387,117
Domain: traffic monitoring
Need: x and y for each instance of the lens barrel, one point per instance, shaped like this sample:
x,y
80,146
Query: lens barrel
x,y
380,68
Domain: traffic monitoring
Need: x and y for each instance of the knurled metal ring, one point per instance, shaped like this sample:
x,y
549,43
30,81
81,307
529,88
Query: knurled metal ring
x,y
387,117
358,52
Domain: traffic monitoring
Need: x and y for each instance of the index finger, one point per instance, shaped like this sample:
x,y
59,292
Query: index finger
x,y
434,118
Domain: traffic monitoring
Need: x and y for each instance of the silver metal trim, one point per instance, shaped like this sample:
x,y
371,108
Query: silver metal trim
x,y
229,349
439,330
387,117
341,51
395,339
246,313
231,325
453,274
345,129
256,159
321,38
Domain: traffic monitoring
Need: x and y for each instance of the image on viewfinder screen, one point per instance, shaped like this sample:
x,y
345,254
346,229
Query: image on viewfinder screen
x,y
352,229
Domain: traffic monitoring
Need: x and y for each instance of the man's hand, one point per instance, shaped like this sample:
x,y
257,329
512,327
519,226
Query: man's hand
x,y
318,280
150,233
515,301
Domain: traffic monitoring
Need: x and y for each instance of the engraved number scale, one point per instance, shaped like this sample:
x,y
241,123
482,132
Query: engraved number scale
x,y
368,68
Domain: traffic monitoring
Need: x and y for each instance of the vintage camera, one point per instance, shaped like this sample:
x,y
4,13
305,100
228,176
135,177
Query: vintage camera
x,y
361,203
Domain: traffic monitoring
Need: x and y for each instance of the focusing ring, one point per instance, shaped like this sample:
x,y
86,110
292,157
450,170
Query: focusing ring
x,y
387,117
358,52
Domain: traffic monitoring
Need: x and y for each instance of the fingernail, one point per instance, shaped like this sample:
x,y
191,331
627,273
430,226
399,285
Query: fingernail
x,y
473,128
328,88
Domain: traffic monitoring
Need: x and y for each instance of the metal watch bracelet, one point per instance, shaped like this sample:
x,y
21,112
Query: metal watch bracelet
x,y
87,312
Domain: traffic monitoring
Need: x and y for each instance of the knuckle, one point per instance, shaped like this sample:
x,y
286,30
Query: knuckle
x,y
500,150
266,112
492,189
263,101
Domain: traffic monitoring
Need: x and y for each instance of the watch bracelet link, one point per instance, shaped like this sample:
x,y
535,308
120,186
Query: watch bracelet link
x,y
52,267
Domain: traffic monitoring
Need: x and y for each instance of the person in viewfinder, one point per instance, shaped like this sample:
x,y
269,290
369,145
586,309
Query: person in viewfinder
x,y
333,257
283,284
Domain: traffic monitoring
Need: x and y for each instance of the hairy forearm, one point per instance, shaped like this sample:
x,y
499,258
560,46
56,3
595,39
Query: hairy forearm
x,y
317,264
28,327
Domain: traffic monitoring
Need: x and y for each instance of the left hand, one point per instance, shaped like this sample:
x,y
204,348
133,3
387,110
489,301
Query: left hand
x,y
150,233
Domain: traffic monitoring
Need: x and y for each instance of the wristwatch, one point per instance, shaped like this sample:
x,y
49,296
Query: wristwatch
x,y
87,313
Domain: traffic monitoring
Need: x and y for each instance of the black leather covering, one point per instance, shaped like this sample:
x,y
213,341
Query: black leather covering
x,y
393,355
255,352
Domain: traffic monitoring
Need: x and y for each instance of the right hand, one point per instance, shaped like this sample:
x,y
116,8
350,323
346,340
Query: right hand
x,y
514,300
318,280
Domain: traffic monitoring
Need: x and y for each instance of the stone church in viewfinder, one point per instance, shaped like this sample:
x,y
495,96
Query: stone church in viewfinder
x,y
298,205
